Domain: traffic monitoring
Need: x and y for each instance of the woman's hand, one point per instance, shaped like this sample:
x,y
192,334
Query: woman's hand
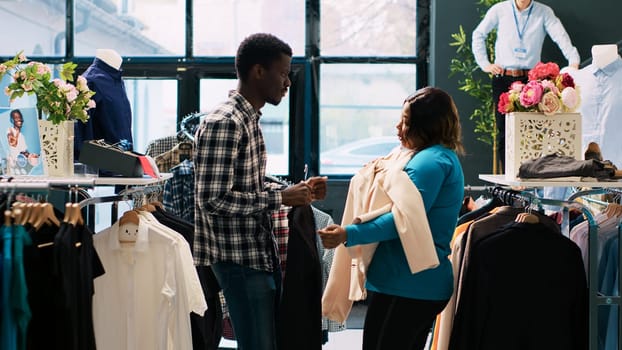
x,y
332,236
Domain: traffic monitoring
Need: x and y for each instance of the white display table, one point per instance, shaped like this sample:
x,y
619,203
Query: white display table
x,y
503,180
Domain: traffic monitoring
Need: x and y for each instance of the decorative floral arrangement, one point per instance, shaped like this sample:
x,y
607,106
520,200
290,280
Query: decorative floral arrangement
x,y
57,98
548,91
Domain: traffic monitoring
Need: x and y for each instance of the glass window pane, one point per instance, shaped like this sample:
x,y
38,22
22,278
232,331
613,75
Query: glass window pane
x,y
360,104
220,26
132,28
368,27
41,26
154,110
274,121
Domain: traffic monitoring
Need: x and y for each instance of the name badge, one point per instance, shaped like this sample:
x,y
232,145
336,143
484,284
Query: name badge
x,y
520,52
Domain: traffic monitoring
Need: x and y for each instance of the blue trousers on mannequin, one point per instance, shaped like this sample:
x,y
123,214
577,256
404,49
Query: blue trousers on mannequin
x,y
252,297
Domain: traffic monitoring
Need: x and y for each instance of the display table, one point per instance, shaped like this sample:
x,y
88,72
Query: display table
x,y
503,180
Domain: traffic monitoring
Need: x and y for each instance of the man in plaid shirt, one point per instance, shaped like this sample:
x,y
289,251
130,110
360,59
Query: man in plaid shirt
x,y
233,232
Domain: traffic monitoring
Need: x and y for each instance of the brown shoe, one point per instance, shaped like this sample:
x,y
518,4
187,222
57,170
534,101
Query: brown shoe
x,y
593,152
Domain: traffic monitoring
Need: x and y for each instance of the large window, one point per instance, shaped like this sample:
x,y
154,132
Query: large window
x,y
360,105
368,27
274,121
35,26
219,26
133,28
154,110
356,60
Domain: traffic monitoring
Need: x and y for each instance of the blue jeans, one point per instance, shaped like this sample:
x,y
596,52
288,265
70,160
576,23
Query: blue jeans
x,y
252,298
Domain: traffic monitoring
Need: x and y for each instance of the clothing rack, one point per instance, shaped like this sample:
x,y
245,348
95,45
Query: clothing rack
x,y
189,124
596,301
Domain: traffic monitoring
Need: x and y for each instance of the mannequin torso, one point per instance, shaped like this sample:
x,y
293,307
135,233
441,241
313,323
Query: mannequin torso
x,y
602,55
111,57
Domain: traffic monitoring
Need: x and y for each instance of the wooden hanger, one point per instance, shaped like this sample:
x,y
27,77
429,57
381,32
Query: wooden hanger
x,y
77,215
7,218
129,222
46,216
527,218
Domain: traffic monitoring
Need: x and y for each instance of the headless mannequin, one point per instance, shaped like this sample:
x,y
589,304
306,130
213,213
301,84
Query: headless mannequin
x,y
110,57
603,55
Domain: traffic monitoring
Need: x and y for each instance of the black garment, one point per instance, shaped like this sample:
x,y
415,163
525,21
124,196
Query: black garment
x,y
42,287
525,289
394,322
494,202
300,314
207,329
75,267
552,165
89,268
501,84
175,223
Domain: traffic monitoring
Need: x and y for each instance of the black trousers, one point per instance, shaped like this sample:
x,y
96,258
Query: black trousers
x,y
394,322
501,84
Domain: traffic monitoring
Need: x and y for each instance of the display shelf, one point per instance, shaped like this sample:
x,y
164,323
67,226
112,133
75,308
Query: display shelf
x,y
503,180
87,181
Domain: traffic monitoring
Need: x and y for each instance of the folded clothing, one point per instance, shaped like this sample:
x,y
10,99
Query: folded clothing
x,y
554,165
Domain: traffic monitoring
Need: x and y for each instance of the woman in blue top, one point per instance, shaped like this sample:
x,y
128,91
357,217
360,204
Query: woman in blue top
x,y
403,305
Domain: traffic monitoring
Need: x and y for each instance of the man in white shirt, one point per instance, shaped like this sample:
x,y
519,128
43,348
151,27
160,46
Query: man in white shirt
x,y
521,28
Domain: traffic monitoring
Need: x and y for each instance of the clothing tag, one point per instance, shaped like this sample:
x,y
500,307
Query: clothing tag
x,y
520,52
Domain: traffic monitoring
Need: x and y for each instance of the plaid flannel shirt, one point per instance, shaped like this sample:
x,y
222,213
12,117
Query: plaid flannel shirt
x,y
178,196
232,215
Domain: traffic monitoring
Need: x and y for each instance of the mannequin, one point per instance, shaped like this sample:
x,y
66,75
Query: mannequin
x,y
110,56
600,85
111,119
603,55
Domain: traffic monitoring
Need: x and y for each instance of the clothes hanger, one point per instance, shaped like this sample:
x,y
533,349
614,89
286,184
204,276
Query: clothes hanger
x,y
46,216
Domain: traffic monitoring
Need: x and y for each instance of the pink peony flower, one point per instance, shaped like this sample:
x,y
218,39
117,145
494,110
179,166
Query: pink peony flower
x,y
570,98
550,103
550,86
2,68
531,94
517,86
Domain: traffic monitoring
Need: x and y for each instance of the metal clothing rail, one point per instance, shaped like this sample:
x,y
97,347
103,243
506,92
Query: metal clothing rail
x,y
596,301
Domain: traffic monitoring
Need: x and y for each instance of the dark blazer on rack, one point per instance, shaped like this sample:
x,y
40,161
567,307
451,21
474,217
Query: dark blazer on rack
x,y
525,289
300,314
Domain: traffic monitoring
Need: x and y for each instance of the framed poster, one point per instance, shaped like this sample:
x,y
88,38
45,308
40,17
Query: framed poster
x,y
19,134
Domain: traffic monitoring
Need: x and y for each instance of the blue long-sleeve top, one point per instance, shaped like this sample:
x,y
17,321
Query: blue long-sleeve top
x,y
437,173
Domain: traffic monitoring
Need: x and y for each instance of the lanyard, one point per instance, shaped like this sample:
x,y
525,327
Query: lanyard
x,y
522,30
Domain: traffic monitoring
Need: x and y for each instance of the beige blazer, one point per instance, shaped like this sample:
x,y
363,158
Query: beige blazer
x,y
379,187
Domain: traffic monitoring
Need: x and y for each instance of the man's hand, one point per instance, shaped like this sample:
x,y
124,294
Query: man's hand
x,y
318,187
494,69
332,236
296,195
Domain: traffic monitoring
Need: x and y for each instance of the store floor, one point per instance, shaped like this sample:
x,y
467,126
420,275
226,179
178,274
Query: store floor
x,y
350,339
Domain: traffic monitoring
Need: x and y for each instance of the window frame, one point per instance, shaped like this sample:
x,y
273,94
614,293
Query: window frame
x,y
304,92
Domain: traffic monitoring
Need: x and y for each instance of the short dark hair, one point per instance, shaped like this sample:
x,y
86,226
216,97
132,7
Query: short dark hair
x,y
434,119
259,48
16,111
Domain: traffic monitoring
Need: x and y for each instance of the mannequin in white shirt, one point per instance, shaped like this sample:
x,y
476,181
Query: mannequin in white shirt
x,y
603,55
110,57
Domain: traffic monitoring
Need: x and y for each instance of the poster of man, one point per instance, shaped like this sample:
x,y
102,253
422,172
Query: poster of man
x,y
21,141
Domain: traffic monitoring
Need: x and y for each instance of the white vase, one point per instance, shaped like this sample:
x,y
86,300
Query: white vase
x,y
57,147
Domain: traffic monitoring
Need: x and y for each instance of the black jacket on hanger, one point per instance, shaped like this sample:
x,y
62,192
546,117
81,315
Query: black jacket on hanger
x,y
300,311
525,289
